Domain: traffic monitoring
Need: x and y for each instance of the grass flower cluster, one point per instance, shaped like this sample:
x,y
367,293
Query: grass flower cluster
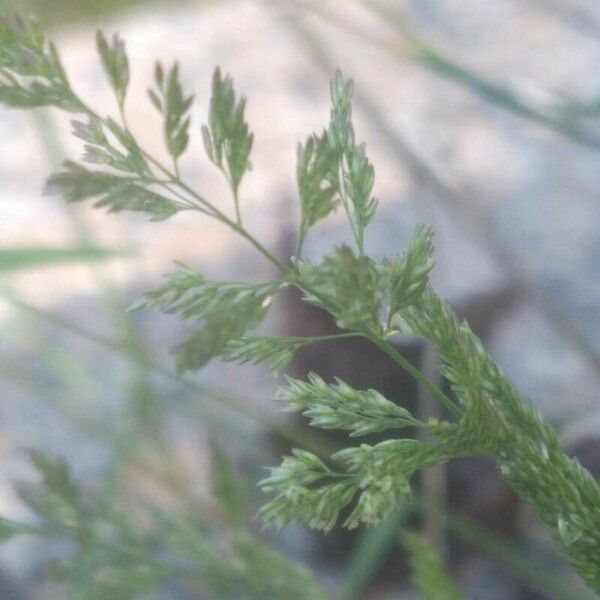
x,y
370,299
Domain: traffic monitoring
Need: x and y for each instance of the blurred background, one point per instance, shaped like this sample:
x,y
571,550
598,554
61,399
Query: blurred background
x,y
482,119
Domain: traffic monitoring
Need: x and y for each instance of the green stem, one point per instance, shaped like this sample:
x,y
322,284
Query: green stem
x,y
234,192
236,203
416,374
334,336
252,240
299,243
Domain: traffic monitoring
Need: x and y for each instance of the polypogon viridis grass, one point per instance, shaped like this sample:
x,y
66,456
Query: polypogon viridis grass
x,y
367,298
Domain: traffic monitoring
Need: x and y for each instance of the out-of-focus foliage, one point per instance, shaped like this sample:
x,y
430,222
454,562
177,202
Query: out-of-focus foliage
x,y
56,12
115,556
19,259
429,574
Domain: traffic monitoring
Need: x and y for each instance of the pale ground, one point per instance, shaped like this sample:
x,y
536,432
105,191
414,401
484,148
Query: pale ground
x,y
537,192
